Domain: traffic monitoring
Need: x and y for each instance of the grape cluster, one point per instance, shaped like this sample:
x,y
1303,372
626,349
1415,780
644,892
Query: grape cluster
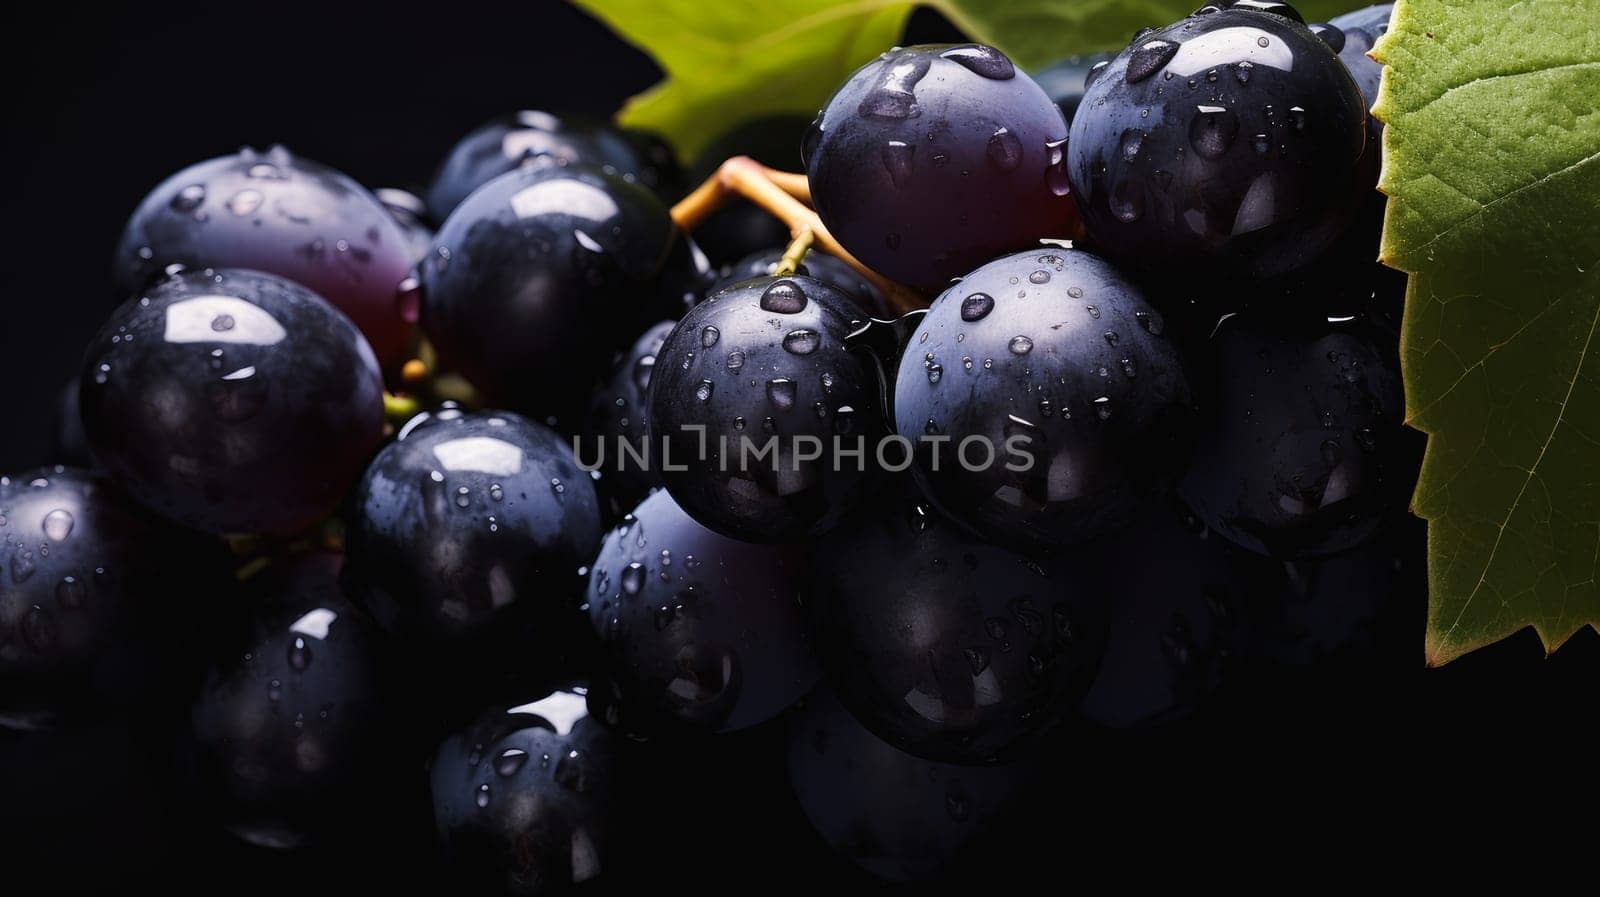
x,y
504,481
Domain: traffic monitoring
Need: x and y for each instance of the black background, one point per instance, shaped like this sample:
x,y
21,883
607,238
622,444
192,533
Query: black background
x,y
1326,768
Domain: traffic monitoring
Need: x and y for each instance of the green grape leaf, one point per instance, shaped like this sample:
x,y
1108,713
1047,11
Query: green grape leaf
x,y
1492,166
729,63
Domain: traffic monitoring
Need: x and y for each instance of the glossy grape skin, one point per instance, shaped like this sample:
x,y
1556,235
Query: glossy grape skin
x,y
819,265
289,726
1258,188
702,631
933,159
1065,81
1178,600
618,409
522,796
232,401
77,559
466,537
541,274
900,817
945,646
1057,351
411,215
761,360
1360,30
1302,452
535,140
71,444
285,215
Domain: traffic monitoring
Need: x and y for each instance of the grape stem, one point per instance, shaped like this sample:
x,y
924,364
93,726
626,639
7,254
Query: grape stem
x,y
796,253
785,196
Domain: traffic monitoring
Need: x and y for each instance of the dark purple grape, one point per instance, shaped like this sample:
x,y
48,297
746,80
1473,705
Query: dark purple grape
x,y
535,140
77,561
285,215
751,394
232,401
411,215
1177,606
1302,452
933,159
1051,361
541,275
289,726
945,646
618,409
1227,143
899,817
702,631
72,445
1066,81
522,798
818,265
1358,32
467,535
1329,610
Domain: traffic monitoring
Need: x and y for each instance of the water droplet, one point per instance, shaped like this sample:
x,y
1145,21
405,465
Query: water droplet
x,y
58,524
783,297
21,565
1129,370
633,578
665,614
1095,71
935,373
1040,276
1102,407
1020,345
802,342
897,159
1242,72
1366,438
244,202
704,390
1127,202
1005,150
275,691
1150,321
781,393
892,97
1111,337
1132,143
1297,118
70,592
482,797
509,762
1149,59
299,653
709,336
189,198
569,771
982,60
735,361
496,493
976,307
1263,41
463,497
1212,131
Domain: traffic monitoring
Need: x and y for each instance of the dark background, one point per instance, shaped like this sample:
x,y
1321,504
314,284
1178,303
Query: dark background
x,y
1326,768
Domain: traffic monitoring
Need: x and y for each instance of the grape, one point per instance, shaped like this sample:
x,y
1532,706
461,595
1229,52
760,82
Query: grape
x,y
467,536
947,647
1228,143
1052,361
411,215
284,215
819,265
933,159
1302,453
1357,32
763,366
540,275
618,409
1177,618
288,726
521,798
1328,610
741,228
75,564
533,140
899,817
232,401
702,631
71,446
1065,81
